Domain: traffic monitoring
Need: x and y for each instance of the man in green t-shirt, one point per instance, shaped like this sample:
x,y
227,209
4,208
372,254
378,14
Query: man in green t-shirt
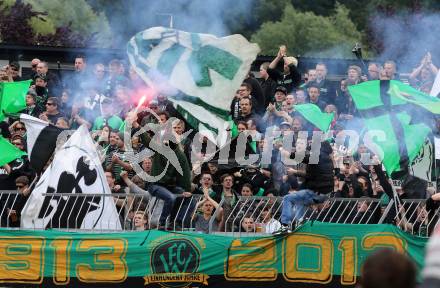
x,y
107,117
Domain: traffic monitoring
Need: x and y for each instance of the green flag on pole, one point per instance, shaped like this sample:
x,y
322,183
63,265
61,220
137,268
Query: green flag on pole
x,y
313,114
13,97
377,102
8,152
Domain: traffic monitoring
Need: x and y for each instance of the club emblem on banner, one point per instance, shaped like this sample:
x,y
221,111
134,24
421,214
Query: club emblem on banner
x,y
174,264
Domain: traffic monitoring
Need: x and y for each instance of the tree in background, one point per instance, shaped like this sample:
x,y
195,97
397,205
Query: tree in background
x,y
14,23
53,23
308,34
311,28
78,15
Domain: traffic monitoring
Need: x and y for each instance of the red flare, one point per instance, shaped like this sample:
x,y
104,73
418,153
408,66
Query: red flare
x,y
141,101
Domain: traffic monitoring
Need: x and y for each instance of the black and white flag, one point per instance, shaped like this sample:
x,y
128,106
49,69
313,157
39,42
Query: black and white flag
x,y
41,140
73,192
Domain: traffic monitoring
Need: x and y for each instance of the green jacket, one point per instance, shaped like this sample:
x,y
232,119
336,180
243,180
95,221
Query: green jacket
x,y
171,177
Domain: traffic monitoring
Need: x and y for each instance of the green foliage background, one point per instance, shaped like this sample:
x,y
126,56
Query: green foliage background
x,y
78,15
321,28
309,34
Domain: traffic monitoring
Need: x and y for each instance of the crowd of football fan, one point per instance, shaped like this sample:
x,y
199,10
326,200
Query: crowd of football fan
x,y
102,96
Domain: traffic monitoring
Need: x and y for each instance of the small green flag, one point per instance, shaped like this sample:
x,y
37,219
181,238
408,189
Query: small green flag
x,y
9,152
234,128
13,97
313,114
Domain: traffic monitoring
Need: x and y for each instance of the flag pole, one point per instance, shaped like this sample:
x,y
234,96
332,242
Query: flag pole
x,y
34,182
396,199
30,193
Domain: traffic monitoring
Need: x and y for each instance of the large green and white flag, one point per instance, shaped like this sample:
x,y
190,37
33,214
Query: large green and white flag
x,y
399,112
198,72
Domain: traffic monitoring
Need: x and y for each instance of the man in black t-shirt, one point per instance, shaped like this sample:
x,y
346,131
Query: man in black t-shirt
x,y
290,78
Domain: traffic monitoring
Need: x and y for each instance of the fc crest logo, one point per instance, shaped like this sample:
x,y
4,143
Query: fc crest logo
x,y
175,263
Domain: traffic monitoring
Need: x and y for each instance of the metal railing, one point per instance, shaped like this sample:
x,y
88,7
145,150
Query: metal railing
x,y
250,215
246,216
9,200
414,217
346,211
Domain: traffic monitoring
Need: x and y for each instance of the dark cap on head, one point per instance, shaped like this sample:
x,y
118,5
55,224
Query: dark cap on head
x,y
32,93
15,64
281,89
40,76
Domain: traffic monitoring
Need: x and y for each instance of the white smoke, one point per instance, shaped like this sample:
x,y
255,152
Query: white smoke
x,y
407,38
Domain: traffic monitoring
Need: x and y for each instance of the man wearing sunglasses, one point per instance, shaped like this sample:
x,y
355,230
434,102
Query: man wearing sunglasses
x,y
51,114
18,128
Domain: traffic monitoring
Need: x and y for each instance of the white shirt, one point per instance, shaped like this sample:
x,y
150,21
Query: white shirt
x,y
272,226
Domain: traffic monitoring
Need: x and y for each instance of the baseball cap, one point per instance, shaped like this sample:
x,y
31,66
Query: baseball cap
x,y
281,89
32,93
15,64
42,77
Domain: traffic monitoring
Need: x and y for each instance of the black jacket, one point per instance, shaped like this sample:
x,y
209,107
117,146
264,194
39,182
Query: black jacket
x,y
319,177
327,90
257,95
268,86
255,117
35,111
320,103
54,84
290,81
